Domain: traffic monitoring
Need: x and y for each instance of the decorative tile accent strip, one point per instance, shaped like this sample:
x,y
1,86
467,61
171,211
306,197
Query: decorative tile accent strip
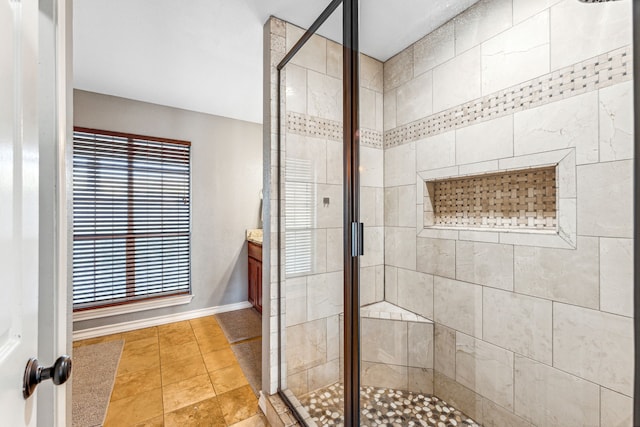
x,y
515,199
594,73
384,406
317,127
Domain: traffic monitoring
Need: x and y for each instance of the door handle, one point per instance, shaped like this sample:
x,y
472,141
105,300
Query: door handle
x,y
35,373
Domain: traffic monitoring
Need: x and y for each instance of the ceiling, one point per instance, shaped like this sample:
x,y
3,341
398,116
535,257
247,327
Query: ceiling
x,y
206,55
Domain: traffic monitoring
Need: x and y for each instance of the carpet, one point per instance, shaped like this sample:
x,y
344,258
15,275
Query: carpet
x,y
93,375
249,355
240,325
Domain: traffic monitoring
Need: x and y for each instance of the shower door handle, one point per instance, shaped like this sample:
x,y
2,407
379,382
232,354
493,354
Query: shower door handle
x,y
357,239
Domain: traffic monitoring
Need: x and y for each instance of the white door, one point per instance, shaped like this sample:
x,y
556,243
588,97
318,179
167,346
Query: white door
x,y
18,206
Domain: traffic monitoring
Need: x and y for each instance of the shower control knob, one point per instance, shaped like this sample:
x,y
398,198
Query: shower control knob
x,y
35,373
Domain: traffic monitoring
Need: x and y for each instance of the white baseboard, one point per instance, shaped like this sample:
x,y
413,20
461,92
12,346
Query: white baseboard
x,y
115,328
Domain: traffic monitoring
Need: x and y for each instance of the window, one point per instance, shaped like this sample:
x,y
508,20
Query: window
x,y
131,218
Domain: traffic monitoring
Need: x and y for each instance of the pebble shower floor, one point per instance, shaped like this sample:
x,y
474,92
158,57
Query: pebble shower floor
x,y
384,407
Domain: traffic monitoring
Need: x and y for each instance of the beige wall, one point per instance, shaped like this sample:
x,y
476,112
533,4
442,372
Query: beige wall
x,y
226,158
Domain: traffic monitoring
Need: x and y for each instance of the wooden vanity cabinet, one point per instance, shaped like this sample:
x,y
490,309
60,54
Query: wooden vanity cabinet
x,y
255,275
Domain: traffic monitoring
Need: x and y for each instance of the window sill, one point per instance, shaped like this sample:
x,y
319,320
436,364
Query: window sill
x,y
131,308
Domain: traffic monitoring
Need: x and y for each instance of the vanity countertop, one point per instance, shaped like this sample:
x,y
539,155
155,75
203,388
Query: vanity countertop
x,y
255,236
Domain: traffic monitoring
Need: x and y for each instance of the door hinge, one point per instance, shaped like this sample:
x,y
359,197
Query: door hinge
x,y
357,239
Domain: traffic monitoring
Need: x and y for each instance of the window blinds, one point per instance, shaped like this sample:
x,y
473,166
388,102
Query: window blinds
x,y
131,218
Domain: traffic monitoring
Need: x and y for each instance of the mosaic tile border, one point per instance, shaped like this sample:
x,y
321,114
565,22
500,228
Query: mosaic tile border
x,y
303,124
594,73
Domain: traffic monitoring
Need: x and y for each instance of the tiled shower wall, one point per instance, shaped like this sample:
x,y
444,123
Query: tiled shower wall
x,y
313,153
529,328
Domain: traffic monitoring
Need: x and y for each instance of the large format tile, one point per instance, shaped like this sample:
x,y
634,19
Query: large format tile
x,y
494,415
296,88
523,9
594,345
324,96
420,345
134,409
481,22
181,369
400,165
373,247
384,341
400,247
306,159
485,369
186,392
605,199
384,375
415,292
434,49
238,404
552,398
557,274
571,122
436,152
371,72
486,264
142,381
616,410
458,305
306,345
516,55
457,80
371,167
519,323
616,276
324,295
616,122
414,99
312,55
444,350
398,69
459,396
485,141
324,375
580,31
228,378
206,412
436,256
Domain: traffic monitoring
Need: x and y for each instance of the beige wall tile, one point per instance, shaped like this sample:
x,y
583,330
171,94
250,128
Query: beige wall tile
x,y
444,350
414,99
384,341
400,165
407,206
398,69
324,295
296,90
400,247
616,122
496,136
519,323
383,375
436,152
324,375
485,264
557,273
516,55
485,369
306,345
415,292
616,276
523,9
448,90
324,96
313,54
571,122
458,305
434,49
604,199
548,397
600,29
371,167
481,22
436,256
389,105
594,345
296,300
616,410
371,72
420,380
373,247
420,345
391,284
458,396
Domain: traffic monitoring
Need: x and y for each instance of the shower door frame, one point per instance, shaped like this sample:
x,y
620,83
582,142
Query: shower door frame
x,y
353,228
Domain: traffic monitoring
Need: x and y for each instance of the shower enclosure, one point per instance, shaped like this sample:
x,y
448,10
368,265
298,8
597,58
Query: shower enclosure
x,y
451,213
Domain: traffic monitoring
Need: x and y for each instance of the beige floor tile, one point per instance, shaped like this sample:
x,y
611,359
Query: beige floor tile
x,y
187,392
212,343
135,383
141,346
227,379
207,321
139,334
204,413
137,362
183,326
175,353
182,369
154,422
135,409
255,421
97,340
219,359
176,337
238,405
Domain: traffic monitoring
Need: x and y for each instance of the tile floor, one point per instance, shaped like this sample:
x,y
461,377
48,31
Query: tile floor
x,y
180,374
